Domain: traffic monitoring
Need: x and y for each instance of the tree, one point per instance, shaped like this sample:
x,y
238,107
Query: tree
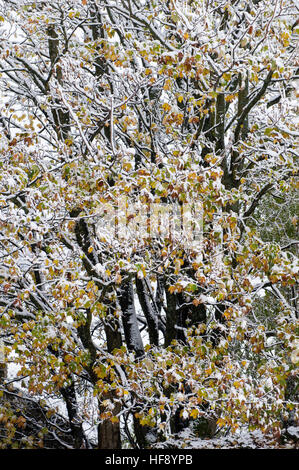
x,y
140,141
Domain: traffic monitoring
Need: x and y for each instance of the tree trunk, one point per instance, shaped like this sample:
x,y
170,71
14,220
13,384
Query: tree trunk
x,y
148,310
108,431
69,395
132,334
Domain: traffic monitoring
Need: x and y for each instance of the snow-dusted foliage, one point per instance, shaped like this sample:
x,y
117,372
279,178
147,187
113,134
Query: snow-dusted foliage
x,y
148,222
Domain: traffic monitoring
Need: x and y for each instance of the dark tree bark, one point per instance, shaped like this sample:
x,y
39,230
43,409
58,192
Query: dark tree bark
x,y
129,319
109,436
134,343
149,310
69,395
60,115
171,320
108,431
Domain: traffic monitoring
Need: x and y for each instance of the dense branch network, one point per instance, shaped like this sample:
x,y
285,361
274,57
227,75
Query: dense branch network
x,y
119,120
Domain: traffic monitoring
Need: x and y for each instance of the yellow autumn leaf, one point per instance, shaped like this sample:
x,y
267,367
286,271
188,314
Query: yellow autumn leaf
x,y
194,414
67,358
166,107
237,384
221,422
